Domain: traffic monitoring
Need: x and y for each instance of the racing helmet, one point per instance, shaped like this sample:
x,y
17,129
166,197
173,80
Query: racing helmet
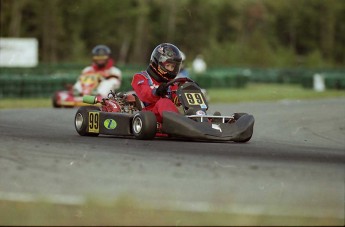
x,y
166,61
101,55
183,56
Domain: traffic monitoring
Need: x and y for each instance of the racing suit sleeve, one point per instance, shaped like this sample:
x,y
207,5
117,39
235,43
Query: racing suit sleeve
x,y
115,72
111,80
143,90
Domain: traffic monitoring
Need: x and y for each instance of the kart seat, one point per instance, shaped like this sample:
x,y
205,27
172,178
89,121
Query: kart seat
x,y
138,103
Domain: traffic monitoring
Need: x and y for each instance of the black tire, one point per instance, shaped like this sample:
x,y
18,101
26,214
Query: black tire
x,y
81,120
144,125
54,101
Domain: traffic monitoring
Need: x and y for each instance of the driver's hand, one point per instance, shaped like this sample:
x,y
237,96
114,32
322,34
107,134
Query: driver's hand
x,y
162,90
177,101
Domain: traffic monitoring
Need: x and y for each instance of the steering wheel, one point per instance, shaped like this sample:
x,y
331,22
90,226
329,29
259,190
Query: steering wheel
x,y
180,80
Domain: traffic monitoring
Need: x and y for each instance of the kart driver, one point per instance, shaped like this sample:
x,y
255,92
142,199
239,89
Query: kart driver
x,y
102,64
151,85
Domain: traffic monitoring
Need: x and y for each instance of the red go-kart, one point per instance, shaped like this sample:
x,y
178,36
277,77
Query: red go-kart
x,y
89,83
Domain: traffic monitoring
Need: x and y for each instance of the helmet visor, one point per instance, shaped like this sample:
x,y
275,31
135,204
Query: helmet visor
x,y
100,57
170,66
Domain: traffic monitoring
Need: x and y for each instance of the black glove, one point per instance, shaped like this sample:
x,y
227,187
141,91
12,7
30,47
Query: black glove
x,y
162,90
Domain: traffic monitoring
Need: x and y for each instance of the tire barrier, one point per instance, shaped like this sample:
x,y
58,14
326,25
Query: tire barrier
x,y
32,86
37,86
44,81
334,77
331,80
209,80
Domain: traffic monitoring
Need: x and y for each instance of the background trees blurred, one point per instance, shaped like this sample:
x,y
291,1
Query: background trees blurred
x,y
232,33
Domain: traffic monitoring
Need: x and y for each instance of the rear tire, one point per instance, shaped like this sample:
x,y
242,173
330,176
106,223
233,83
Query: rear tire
x,y
81,120
144,125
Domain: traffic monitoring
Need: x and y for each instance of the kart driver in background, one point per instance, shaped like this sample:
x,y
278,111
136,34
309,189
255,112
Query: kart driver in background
x,y
151,85
111,76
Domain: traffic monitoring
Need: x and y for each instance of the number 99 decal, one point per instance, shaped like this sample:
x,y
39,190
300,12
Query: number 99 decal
x,y
194,98
94,122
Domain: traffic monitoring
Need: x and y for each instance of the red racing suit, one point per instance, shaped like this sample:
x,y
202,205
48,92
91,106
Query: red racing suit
x,y
145,88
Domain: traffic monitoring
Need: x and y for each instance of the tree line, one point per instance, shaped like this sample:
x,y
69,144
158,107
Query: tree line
x,y
268,33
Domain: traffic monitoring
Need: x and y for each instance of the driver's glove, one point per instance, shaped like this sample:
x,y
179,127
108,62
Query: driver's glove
x,y
162,90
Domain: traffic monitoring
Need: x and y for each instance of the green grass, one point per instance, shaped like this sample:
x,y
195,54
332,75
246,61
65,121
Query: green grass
x,y
126,211
269,92
9,103
252,93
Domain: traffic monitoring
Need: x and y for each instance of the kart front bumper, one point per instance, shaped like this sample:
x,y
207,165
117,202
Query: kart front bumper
x,y
178,125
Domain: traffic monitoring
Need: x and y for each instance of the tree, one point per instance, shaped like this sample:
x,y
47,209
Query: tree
x,y
244,32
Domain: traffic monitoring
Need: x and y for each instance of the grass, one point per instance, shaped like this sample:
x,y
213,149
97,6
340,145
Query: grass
x,y
252,93
126,211
269,92
9,103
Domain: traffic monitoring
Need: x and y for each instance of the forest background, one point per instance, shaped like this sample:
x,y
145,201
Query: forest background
x,y
260,33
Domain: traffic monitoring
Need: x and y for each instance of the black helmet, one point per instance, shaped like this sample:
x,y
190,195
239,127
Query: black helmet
x,y
162,55
101,55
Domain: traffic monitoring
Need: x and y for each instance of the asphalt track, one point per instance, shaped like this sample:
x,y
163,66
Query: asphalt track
x,y
294,164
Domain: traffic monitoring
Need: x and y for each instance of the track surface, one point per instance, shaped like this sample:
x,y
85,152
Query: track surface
x,y
293,165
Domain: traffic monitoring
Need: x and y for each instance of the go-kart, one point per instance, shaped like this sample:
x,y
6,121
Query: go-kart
x,y
121,114
66,98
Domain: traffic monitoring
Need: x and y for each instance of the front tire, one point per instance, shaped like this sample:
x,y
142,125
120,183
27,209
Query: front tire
x,y
144,125
55,101
81,120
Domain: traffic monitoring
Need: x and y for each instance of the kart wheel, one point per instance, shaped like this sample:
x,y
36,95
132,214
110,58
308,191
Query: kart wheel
x,y
82,118
54,101
144,125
